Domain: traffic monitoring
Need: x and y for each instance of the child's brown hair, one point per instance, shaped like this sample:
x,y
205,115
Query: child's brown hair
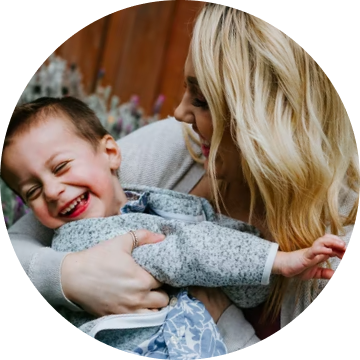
x,y
84,121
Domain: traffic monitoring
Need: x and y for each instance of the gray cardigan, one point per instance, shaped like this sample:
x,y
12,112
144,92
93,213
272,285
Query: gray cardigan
x,y
155,155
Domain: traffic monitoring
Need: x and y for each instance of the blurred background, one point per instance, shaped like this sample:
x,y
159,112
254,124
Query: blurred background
x,y
128,67
138,51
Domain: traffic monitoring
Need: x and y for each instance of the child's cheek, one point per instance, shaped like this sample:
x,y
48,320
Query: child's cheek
x,y
41,212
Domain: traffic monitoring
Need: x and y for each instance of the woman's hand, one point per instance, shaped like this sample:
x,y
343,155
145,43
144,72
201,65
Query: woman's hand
x,y
105,279
215,301
305,263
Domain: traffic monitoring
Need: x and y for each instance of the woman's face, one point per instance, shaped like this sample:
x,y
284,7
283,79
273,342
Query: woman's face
x,y
193,109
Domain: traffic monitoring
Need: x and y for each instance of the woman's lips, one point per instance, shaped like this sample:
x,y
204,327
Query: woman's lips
x,y
205,149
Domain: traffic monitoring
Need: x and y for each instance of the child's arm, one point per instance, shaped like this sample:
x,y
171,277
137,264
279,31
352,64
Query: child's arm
x,y
202,254
234,261
206,254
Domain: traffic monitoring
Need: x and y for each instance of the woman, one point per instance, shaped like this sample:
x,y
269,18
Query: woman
x,y
279,153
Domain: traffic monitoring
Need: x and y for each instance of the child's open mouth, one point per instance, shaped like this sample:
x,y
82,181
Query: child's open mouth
x,y
77,206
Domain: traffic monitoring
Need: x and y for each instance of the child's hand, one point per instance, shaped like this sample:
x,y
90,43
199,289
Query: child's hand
x,y
304,263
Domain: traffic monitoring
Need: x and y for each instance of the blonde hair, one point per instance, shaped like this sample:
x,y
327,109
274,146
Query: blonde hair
x,y
296,145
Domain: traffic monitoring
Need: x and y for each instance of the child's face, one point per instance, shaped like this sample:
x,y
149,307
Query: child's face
x,y
61,176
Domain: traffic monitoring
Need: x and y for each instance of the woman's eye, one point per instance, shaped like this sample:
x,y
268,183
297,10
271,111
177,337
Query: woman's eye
x,y
200,103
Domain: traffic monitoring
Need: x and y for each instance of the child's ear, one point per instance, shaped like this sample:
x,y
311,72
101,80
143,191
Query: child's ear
x,y
112,151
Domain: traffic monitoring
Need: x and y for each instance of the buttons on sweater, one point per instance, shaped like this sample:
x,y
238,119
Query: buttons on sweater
x,y
173,301
174,340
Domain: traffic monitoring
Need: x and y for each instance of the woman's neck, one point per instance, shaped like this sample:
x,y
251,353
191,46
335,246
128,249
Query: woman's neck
x,y
236,198
236,203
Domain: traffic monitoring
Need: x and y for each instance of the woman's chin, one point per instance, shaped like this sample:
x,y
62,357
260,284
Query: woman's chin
x,y
218,171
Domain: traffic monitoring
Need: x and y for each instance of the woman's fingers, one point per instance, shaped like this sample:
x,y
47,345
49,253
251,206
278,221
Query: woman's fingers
x,y
105,279
153,301
156,299
148,237
143,237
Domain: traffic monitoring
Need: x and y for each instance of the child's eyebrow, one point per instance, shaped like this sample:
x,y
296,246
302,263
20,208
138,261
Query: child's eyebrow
x,y
23,182
51,158
47,162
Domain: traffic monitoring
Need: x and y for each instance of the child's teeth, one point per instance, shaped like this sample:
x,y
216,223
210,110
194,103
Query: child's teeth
x,y
73,204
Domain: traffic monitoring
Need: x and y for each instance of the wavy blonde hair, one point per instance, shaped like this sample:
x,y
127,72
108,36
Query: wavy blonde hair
x,y
296,145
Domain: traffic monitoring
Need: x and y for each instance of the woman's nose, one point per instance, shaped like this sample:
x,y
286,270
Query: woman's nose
x,y
183,111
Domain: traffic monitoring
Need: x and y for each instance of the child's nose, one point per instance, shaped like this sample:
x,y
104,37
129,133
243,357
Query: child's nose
x,y
53,190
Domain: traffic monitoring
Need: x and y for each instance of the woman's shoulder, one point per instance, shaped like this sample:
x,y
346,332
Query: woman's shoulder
x,y
347,200
155,155
294,305
169,127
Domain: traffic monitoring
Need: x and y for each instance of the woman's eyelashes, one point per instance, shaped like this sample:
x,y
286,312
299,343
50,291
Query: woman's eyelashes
x,y
198,100
199,103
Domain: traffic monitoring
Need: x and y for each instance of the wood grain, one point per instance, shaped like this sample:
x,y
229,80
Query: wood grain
x,y
142,50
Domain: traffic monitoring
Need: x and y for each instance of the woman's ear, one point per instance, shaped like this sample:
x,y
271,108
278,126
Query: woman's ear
x,y
112,151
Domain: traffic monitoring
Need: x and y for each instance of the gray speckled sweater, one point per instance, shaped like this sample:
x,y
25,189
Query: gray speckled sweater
x,y
238,260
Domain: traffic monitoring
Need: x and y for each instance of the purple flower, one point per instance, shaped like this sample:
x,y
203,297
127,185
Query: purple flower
x,y
128,129
158,104
135,100
134,104
118,125
19,208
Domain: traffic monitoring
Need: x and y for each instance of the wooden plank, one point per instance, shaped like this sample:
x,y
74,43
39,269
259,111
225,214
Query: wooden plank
x,y
171,80
135,49
114,51
142,50
84,49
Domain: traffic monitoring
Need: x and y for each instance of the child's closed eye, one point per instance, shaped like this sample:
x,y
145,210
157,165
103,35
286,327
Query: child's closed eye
x,y
33,193
61,167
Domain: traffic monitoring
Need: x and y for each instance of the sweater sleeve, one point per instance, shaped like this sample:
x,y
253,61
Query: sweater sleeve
x,y
201,254
206,254
31,241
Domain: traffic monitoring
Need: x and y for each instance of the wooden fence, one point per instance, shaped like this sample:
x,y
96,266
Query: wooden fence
x,y
141,49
